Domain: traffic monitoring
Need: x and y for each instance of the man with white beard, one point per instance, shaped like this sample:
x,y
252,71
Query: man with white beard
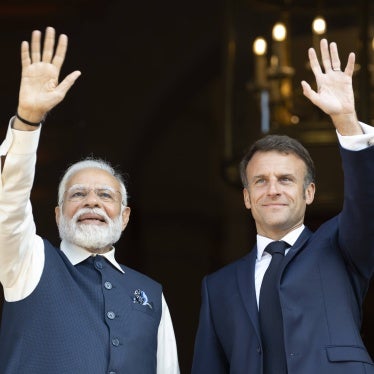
x,y
91,227
72,309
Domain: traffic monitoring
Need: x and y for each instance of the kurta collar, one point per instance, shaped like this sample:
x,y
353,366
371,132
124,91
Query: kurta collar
x,y
76,254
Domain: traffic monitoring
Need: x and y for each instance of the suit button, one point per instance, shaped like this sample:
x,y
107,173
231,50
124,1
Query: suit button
x,y
115,342
112,372
258,350
111,315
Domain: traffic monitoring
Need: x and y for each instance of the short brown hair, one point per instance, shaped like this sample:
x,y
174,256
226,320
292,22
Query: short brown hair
x,y
282,144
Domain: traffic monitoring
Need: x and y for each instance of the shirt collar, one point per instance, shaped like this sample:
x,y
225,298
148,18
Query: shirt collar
x,y
76,254
290,238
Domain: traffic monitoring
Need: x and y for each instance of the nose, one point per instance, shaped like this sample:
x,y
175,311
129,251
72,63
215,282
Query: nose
x,y
91,199
273,188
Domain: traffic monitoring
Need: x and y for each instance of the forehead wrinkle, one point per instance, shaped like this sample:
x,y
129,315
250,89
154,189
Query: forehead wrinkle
x,y
263,169
92,175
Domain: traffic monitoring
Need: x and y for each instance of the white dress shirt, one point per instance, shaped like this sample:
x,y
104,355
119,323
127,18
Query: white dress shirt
x,y
263,258
22,250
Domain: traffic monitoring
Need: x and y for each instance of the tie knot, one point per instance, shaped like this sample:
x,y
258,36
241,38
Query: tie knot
x,y
277,247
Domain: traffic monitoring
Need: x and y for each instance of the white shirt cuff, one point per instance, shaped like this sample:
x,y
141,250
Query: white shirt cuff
x,y
358,142
20,142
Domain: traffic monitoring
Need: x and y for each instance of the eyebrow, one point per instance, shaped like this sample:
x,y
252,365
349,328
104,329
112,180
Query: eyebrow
x,y
288,175
103,187
280,175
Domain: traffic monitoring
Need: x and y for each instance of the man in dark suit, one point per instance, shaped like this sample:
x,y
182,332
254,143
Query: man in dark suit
x,y
322,276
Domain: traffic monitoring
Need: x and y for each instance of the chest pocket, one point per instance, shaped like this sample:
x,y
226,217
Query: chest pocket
x,y
348,353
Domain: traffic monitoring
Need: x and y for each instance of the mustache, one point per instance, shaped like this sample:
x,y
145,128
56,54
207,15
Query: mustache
x,y
95,211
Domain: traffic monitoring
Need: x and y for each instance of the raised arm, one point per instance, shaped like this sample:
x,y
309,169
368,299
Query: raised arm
x,y
21,250
40,89
334,93
335,97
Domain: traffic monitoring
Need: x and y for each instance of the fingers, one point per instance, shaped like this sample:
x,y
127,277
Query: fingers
x,y
61,49
25,55
329,56
49,43
314,64
326,57
334,57
349,69
330,59
66,84
35,46
308,91
48,55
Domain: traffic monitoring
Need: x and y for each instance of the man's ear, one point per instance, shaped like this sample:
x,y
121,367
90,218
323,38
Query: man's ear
x,y
247,200
57,214
125,217
309,193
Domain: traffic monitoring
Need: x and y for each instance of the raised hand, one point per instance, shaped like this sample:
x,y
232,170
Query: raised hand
x,y
40,90
334,93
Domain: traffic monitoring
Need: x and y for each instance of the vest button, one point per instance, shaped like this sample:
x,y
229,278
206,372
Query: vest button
x,y
108,285
98,265
111,315
112,372
115,342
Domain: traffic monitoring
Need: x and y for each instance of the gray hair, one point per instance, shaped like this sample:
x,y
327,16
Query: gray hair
x,y
89,163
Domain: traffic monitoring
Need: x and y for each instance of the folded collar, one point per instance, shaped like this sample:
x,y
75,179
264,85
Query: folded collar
x,y
290,238
76,254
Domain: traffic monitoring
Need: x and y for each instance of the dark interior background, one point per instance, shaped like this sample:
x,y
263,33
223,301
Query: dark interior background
x,y
166,94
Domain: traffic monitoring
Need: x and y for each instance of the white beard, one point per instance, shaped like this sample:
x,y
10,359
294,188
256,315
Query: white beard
x,y
94,238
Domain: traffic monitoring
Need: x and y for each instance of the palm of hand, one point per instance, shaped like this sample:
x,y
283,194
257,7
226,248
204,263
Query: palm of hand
x,y
335,94
38,86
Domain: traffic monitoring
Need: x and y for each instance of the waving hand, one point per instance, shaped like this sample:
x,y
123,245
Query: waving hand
x,y
334,93
40,89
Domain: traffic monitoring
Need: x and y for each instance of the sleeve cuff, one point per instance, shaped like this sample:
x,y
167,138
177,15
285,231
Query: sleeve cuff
x,y
20,142
358,142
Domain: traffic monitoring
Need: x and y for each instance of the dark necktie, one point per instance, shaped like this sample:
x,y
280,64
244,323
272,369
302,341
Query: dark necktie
x,y
271,321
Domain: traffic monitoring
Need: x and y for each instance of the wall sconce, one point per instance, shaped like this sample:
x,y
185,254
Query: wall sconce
x,y
274,79
280,56
260,50
278,52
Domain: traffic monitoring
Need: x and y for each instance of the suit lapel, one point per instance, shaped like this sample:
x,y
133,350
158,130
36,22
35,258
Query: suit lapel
x,y
297,247
246,282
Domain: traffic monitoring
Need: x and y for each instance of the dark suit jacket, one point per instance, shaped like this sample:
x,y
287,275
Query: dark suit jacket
x,y
322,286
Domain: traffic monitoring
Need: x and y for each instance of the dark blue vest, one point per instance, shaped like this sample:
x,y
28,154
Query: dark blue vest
x,y
82,319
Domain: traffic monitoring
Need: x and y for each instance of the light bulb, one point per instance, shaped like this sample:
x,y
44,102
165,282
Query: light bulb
x,y
259,46
319,25
279,32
